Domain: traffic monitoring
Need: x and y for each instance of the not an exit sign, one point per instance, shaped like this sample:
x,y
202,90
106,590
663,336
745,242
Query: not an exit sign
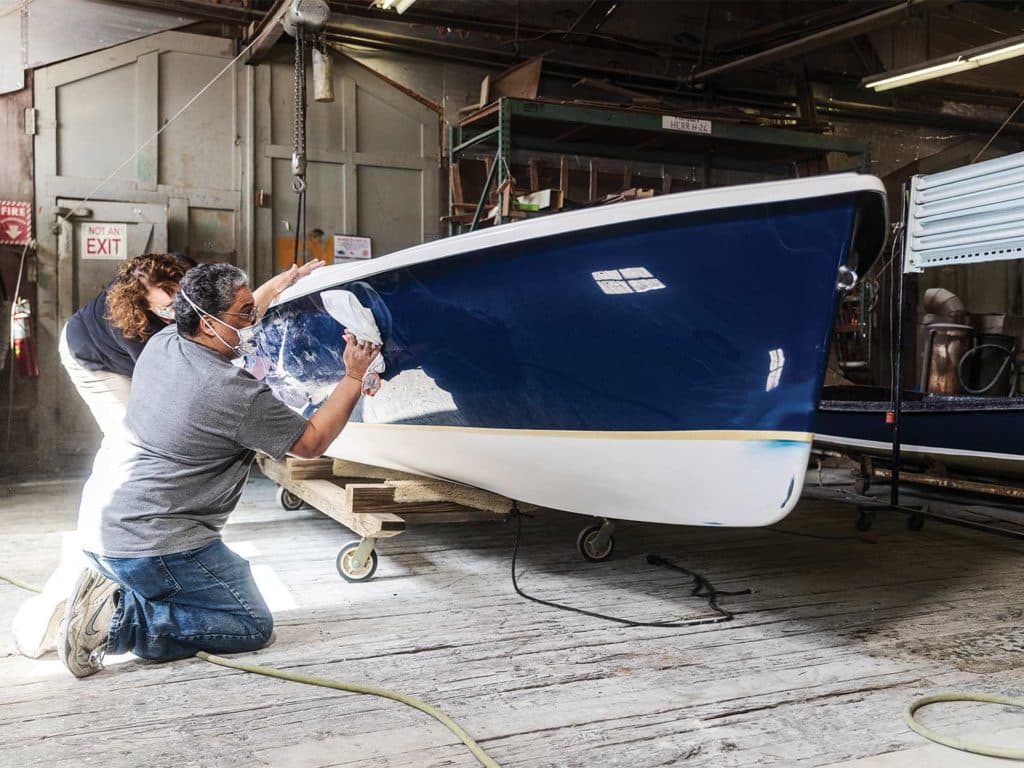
x,y
103,241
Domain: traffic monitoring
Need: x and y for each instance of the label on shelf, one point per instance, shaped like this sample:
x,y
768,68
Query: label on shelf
x,y
687,124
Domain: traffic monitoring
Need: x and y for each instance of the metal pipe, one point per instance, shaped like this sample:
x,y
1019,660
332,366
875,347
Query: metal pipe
x,y
818,40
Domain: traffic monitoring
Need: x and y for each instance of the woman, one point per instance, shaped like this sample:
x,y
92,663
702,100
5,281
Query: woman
x,y
101,342
98,348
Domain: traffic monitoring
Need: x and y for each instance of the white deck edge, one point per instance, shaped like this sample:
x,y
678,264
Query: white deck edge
x,y
719,198
929,449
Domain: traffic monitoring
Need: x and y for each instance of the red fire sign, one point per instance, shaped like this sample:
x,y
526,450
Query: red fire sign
x,y
15,222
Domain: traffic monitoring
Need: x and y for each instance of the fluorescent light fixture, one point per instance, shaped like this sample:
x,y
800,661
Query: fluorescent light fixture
x,y
384,4
925,73
970,59
403,5
999,54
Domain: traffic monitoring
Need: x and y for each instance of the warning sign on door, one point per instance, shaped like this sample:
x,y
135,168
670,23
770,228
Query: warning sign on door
x,y
103,241
15,222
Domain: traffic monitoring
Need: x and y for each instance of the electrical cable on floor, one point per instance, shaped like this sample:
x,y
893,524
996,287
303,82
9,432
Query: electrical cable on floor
x,y
701,587
842,537
955,742
478,752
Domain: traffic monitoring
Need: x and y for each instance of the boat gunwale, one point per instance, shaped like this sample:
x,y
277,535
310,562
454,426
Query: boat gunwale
x,y
680,203
946,404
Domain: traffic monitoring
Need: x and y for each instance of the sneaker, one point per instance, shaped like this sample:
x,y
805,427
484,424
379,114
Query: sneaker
x,y
82,639
38,619
36,624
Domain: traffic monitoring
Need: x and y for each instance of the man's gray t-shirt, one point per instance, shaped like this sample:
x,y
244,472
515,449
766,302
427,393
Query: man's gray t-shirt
x,y
168,482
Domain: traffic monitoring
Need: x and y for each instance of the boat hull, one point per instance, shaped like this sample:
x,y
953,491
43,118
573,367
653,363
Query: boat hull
x,y
972,435
657,367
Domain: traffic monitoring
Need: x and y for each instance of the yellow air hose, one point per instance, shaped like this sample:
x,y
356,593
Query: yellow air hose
x,y
975,748
486,760
478,752
422,706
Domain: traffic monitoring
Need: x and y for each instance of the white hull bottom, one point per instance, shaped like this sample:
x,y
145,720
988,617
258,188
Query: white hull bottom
x,y
1007,464
728,478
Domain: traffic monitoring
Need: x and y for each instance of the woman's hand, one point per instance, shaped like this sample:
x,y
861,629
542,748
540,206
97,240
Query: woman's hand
x,y
276,285
358,356
294,273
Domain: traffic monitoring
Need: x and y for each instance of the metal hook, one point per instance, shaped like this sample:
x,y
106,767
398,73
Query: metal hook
x,y
847,279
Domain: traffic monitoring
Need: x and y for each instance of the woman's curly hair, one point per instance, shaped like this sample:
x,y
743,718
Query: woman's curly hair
x,y
128,297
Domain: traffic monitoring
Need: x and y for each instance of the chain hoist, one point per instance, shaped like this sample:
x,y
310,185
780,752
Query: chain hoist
x,y
304,21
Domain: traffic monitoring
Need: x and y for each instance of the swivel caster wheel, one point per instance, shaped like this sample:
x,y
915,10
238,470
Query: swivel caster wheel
x,y
864,522
354,565
595,543
288,500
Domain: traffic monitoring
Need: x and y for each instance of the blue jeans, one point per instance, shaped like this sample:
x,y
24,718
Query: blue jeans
x,y
174,605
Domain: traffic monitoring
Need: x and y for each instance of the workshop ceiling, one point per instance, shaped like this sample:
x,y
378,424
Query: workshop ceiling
x,y
685,46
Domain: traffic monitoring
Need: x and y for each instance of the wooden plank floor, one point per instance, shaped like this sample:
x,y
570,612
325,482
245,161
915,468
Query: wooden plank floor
x,y
837,636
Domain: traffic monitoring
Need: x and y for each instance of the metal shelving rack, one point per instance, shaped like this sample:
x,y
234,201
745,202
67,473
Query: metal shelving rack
x,y
638,135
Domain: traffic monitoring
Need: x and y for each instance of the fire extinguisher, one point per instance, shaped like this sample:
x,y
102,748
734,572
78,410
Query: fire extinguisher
x,y
23,340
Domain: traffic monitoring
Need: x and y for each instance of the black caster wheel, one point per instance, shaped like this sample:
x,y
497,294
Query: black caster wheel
x,y
288,500
586,543
864,522
915,522
346,566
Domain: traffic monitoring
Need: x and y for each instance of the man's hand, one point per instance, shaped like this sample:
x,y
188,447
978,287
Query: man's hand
x,y
326,424
358,356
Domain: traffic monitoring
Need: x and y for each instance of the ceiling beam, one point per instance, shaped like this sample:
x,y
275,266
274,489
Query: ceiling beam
x,y
198,9
798,24
265,34
871,21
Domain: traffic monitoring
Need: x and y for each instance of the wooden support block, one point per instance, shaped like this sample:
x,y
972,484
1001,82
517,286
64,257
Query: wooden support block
x,y
464,496
308,469
534,174
344,468
592,181
379,497
330,498
365,499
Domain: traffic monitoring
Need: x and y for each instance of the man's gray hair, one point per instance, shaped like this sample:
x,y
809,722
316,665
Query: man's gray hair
x,y
211,287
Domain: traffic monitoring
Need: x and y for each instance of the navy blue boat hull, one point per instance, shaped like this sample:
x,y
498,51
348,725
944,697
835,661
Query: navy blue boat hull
x,y
979,435
554,369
